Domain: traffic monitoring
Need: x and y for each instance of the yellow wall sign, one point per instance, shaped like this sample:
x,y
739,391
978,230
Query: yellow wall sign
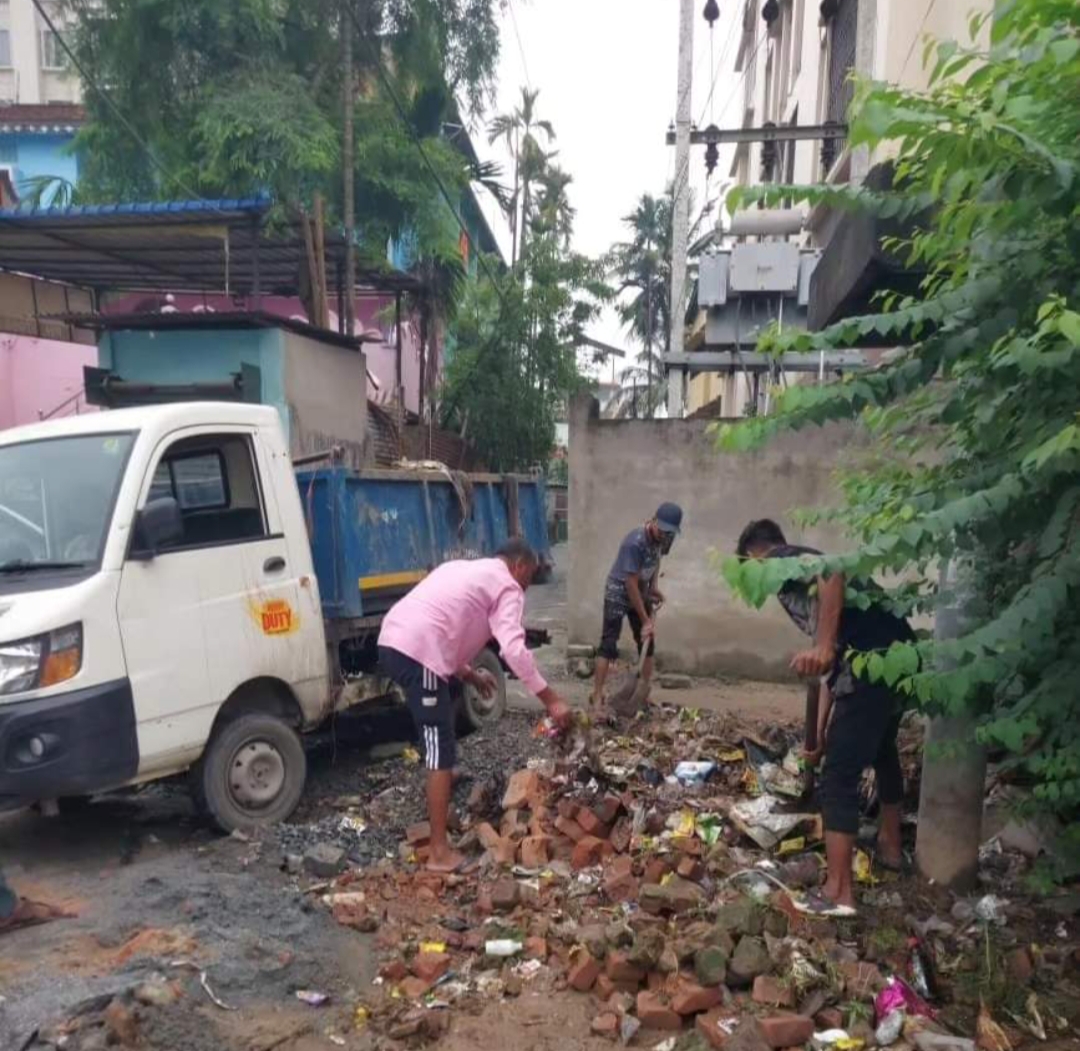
x,y
277,617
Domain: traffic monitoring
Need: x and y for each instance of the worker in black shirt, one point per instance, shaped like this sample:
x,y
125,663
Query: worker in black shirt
x,y
861,729
632,592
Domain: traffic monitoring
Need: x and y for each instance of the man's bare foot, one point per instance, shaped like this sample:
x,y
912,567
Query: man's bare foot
x,y
30,914
446,863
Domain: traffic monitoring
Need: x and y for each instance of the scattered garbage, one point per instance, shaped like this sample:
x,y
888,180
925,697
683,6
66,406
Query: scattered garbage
x,y
694,773
312,997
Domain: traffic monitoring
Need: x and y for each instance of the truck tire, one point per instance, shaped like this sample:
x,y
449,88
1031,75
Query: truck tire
x,y
475,711
252,773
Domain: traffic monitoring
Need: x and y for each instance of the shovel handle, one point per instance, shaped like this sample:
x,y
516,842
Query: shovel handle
x,y
813,699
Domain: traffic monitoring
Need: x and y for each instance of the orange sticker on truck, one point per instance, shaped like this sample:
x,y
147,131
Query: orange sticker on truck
x,y
277,618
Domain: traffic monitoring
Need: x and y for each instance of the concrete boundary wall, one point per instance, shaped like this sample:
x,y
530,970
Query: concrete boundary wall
x,y
620,470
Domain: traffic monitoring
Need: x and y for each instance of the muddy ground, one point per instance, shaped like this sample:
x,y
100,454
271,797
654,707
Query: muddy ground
x,y
157,893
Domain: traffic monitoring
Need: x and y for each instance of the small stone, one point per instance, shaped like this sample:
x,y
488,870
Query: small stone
x,y
689,998
479,799
607,809
584,970
710,965
523,790
418,834
750,959
294,864
691,869
156,993
606,1025
512,985
121,1024
324,860
1019,966
741,916
619,935
655,870
654,1013
672,681
505,895
535,851
677,895
430,966
647,949
773,993
668,962
782,1031
620,969
581,667
594,938
588,851
776,924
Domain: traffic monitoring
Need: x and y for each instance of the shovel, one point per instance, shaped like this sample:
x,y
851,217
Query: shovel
x,y
810,732
632,691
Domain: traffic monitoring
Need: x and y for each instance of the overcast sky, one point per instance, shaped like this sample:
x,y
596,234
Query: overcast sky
x,y
606,70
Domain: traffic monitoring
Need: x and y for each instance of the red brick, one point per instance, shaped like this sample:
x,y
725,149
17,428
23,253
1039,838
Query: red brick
x,y
1019,967
512,825
418,833
774,993
584,970
588,852
523,790
654,1013
536,948
606,988
691,868
592,824
606,1025
535,851
862,980
474,940
655,982
569,828
430,966
830,1018
620,969
655,871
690,998
505,895
782,1031
607,809
538,820
504,851
414,988
487,835
567,808
394,971
708,1026
619,882
687,845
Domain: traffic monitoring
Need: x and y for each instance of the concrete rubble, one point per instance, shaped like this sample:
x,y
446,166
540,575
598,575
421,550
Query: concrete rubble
x,y
601,873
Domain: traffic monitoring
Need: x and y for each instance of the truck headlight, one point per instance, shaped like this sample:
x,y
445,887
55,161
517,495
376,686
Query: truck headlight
x,y
45,660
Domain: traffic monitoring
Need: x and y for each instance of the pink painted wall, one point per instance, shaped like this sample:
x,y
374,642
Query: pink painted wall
x,y
372,313
37,375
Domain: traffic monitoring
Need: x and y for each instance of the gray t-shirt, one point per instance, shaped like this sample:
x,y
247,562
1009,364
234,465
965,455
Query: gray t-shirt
x,y
638,556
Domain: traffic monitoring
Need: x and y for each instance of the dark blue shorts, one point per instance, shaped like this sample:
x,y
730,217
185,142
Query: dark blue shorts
x,y
432,707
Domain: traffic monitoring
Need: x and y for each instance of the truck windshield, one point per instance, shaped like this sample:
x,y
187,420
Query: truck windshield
x,y
56,499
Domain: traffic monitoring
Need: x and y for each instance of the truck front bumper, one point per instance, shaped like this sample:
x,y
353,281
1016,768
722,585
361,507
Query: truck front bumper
x,y
69,744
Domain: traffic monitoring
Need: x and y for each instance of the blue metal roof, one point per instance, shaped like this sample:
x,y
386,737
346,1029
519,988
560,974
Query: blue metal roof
x,y
232,205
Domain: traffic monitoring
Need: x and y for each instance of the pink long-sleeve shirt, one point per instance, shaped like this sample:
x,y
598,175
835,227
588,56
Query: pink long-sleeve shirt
x,y
451,615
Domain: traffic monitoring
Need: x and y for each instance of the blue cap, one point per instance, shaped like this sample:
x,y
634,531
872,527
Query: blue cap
x,y
669,518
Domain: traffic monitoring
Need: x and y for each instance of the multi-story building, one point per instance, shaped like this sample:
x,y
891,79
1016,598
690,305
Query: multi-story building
x,y
39,98
794,63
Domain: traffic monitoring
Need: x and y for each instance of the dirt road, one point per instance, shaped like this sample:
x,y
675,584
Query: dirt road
x,y
153,887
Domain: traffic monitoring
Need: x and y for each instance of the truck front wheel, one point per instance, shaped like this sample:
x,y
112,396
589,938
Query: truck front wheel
x,y
252,772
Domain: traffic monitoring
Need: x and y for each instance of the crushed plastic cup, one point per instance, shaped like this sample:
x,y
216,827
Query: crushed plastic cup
x,y
694,773
890,1028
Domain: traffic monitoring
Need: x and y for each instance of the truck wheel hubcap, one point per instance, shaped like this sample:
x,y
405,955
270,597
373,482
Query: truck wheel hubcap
x,y
481,705
257,774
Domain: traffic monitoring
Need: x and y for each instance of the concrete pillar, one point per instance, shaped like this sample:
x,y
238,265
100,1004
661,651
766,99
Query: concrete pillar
x,y
954,770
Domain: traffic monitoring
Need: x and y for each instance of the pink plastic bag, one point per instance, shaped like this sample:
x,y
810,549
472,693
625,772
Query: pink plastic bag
x,y
899,996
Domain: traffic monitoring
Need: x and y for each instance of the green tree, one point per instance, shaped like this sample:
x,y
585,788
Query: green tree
x,y
238,98
981,402
519,129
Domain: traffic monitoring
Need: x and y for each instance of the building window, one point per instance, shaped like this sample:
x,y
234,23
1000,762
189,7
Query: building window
x,y
5,48
53,55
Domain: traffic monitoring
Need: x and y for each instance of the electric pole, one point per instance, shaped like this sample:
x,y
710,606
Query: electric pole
x,y
680,226
347,162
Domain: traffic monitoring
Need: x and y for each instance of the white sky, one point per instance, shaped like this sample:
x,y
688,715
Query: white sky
x,y
606,70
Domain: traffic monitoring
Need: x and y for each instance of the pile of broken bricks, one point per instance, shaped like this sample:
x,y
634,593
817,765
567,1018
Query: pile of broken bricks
x,y
622,889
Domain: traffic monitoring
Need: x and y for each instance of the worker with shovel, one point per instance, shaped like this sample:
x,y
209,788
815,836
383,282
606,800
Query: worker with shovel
x,y
631,593
431,637
861,729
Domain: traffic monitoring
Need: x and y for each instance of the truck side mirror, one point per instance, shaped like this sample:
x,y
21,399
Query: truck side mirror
x,y
158,525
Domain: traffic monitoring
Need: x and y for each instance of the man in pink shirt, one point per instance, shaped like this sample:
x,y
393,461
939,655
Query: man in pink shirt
x,y
431,637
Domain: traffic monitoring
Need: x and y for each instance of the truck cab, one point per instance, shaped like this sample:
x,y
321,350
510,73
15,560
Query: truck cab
x,y
159,609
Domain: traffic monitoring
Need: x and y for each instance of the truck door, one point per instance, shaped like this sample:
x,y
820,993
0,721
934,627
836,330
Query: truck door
x,y
217,609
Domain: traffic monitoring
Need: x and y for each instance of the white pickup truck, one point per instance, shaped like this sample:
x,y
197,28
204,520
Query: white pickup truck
x,y
162,609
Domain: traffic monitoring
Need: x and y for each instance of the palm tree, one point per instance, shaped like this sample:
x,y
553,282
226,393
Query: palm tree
x,y
554,211
642,266
519,129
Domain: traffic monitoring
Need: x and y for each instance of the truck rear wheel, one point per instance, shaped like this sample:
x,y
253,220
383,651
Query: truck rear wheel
x,y
476,711
252,773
